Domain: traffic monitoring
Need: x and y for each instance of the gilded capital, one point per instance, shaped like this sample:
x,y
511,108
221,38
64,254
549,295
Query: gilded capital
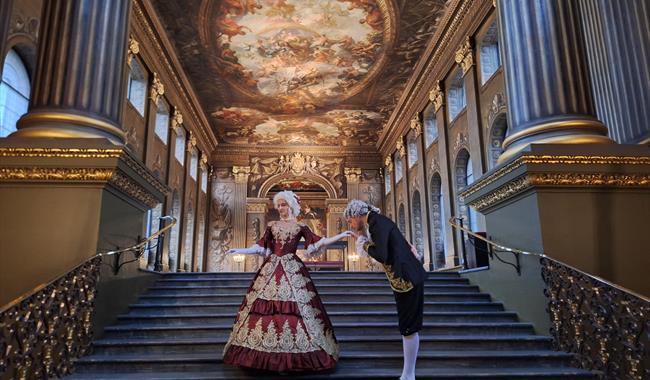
x,y
191,142
389,164
400,147
241,173
157,88
436,96
416,125
203,163
177,120
353,175
134,49
464,56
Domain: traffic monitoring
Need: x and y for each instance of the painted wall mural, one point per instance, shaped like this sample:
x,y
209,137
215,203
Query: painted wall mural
x,y
299,72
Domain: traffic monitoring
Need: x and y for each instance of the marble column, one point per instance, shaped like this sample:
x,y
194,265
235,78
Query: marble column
x,y
78,87
6,6
547,80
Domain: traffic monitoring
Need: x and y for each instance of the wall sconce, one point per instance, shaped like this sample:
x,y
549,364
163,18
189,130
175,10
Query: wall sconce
x,y
239,259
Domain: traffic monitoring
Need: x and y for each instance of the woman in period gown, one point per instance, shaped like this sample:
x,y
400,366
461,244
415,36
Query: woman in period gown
x,y
282,324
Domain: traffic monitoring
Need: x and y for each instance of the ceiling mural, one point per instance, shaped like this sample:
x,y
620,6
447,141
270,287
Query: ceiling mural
x,y
299,72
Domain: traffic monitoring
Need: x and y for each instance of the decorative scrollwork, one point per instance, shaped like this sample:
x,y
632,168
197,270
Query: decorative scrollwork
x,y
605,327
43,334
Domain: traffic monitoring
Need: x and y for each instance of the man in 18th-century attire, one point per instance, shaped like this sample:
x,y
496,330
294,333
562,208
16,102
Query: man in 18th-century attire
x,y
380,238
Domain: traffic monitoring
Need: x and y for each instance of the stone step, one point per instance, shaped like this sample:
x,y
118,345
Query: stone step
x,y
313,274
232,307
156,319
366,342
353,296
386,360
327,288
353,282
341,329
348,371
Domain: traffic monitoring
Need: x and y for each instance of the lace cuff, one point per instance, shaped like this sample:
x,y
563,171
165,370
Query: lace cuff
x,y
315,249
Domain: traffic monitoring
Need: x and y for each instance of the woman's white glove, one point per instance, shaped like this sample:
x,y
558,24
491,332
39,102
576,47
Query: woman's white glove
x,y
253,250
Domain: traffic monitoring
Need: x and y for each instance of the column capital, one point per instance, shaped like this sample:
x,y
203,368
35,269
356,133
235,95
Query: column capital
x,y
436,96
399,145
416,125
241,173
353,175
465,55
157,89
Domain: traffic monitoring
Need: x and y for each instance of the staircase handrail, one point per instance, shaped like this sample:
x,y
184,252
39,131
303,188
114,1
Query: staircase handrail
x,y
603,324
138,249
516,251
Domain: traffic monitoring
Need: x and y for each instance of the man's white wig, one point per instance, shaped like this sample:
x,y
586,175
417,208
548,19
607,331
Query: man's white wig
x,y
358,207
292,200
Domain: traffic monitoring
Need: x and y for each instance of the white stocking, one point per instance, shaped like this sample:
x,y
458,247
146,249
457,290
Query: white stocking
x,y
410,344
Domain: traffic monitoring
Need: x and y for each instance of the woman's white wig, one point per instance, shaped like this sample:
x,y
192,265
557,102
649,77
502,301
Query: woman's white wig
x,y
358,207
292,200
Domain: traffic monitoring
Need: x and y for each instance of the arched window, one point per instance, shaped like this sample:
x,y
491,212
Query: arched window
x,y
137,86
456,95
152,226
469,179
200,243
398,168
189,238
175,232
162,120
430,125
489,53
387,186
438,221
179,153
14,93
412,152
401,219
204,181
417,223
194,164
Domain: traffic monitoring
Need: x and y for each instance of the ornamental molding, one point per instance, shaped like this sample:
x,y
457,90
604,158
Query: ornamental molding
x,y
465,56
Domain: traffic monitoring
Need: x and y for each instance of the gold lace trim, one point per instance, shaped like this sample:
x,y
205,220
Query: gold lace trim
x,y
292,287
397,284
284,231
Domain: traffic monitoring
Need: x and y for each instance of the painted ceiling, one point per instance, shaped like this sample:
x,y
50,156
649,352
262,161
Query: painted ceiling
x,y
299,72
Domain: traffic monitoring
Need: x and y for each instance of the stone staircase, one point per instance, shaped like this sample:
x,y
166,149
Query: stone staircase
x,y
177,330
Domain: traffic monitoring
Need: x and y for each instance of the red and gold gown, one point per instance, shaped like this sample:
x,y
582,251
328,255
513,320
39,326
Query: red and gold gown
x,y
282,324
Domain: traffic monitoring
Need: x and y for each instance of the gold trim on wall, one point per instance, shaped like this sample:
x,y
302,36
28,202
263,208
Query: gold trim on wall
x,y
529,181
553,160
60,152
34,174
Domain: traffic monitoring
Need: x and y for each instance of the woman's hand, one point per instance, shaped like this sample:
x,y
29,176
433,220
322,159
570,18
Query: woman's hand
x,y
232,251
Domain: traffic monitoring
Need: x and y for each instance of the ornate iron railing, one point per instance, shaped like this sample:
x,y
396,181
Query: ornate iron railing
x,y
44,331
606,327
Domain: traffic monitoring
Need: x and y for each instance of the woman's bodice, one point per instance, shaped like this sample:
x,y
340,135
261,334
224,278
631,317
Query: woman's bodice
x,y
282,237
